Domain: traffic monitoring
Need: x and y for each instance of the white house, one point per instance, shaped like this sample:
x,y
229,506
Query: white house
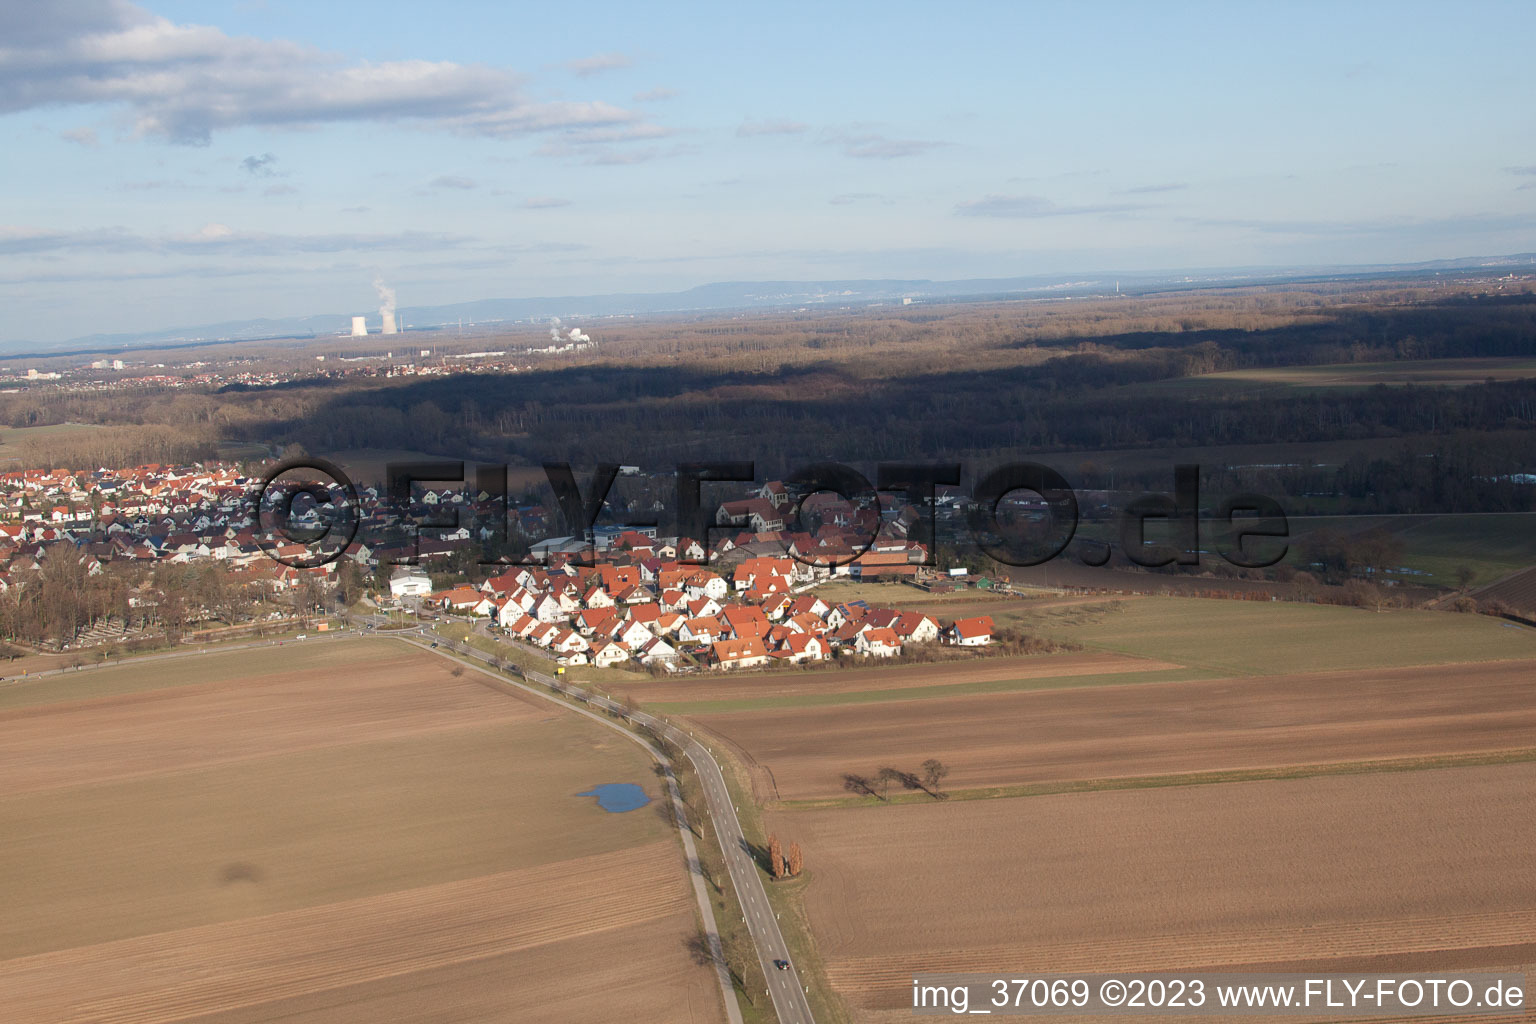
x,y
974,632
914,628
878,643
804,647
547,609
657,649
610,653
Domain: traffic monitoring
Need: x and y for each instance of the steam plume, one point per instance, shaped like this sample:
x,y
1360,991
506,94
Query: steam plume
x,y
386,297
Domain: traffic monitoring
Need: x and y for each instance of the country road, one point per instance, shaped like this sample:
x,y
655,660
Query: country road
x,y
784,986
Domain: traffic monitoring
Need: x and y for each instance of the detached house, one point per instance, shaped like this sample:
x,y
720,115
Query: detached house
x,y
974,632
610,653
804,647
748,653
878,643
914,628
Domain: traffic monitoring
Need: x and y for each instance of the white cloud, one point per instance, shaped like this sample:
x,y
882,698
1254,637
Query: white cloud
x,y
184,82
259,166
545,203
772,126
1172,186
1031,206
453,181
595,65
863,145
655,95
212,238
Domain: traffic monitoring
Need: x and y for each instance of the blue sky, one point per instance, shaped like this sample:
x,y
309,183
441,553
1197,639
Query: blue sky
x,y
182,163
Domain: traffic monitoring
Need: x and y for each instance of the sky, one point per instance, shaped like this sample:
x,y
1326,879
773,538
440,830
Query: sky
x,y
177,163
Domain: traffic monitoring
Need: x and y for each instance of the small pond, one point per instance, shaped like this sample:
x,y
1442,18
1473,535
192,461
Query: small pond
x,y
618,797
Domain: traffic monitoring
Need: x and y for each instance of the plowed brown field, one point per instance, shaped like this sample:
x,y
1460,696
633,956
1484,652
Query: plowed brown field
x,y
1425,871
1143,729
383,841
817,681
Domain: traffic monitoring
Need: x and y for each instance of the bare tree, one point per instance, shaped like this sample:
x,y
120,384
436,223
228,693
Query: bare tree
x,y
737,955
934,772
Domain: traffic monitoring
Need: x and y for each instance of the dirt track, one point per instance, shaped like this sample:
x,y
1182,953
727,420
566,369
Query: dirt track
x,y
1143,729
1405,871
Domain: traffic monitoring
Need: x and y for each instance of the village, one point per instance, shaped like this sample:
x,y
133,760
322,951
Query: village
x,y
622,596
651,611
746,602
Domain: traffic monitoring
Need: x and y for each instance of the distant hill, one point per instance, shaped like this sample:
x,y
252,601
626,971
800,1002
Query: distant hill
x,y
757,295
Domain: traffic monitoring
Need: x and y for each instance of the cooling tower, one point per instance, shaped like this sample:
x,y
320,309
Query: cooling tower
x,y
389,322
359,326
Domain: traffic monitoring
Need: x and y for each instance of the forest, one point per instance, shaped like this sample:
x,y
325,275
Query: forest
x,y
979,383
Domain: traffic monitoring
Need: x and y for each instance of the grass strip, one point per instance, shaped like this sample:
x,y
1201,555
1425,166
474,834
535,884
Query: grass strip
x,y
1213,778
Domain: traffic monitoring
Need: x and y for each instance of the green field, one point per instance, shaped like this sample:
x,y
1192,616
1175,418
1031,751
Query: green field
x,y
1278,637
1492,545
12,438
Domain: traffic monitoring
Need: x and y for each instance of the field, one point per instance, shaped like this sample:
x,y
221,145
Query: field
x,y
822,686
14,439
1161,458
1208,784
1275,381
1518,592
1491,546
1092,736
1422,372
335,831
1170,686
1265,637
1423,871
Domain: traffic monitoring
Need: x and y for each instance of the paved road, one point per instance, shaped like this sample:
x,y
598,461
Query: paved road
x,y
785,987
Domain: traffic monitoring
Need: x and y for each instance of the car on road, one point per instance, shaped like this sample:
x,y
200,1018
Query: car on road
x,y
782,965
